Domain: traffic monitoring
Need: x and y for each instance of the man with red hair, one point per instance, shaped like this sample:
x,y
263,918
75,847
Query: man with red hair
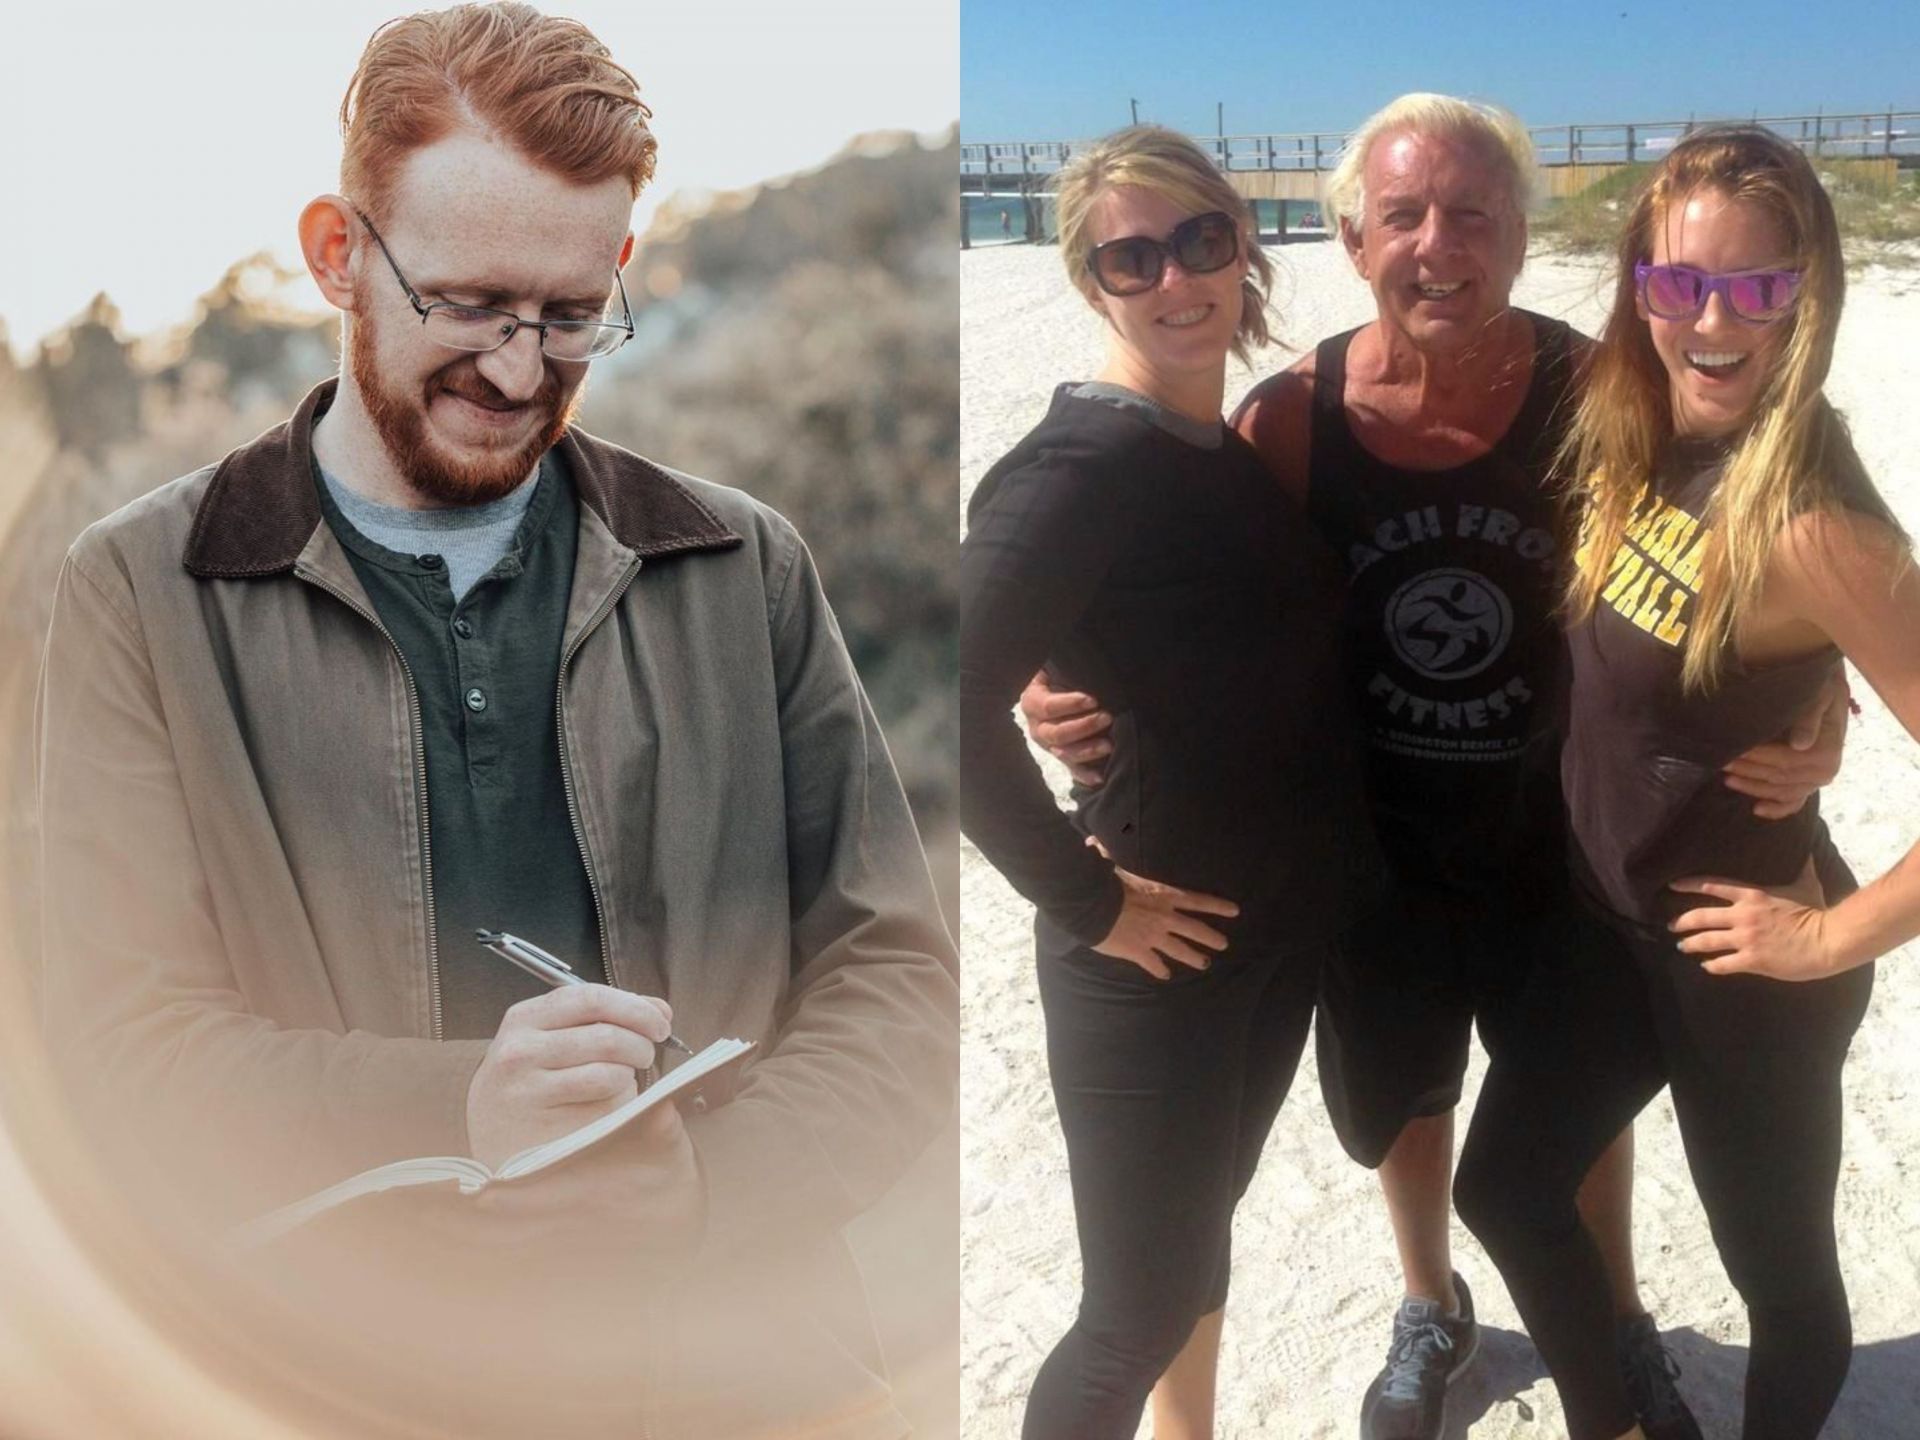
x,y
426,659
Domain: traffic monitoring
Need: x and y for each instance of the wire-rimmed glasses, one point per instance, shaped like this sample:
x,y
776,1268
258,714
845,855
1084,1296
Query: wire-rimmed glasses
x,y
481,328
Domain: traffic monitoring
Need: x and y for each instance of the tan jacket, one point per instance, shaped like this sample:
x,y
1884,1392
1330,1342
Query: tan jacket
x,y
239,938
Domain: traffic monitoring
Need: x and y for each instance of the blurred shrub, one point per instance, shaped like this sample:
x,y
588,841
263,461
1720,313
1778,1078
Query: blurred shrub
x,y
798,341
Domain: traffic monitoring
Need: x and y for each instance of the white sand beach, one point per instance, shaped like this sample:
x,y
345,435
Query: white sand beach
x,y
1315,1280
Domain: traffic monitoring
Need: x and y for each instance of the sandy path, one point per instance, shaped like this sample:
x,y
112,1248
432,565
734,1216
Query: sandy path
x,y
1315,1280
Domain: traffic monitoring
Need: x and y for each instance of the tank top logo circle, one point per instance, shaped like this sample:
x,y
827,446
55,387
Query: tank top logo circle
x,y
1449,624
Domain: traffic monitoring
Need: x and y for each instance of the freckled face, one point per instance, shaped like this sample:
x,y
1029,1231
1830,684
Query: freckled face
x,y
472,222
1186,323
1716,363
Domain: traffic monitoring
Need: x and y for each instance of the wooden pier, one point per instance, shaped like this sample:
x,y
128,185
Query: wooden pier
x,y
1571,157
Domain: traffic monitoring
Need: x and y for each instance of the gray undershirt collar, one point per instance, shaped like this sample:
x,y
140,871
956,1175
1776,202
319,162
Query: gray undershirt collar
x,y
1206,434
472,539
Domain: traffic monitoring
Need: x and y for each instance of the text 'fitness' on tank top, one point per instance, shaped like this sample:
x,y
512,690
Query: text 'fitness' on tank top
x,y
1454,644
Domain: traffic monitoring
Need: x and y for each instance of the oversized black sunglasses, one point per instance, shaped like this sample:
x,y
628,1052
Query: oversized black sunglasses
x,y
1133,264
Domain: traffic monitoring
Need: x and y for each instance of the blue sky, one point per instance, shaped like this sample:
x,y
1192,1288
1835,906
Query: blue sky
x,y
1065,69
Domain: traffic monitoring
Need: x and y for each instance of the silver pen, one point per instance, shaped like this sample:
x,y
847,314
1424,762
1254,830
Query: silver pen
x,y
548,968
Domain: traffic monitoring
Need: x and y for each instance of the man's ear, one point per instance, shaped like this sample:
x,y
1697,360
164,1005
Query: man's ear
x,y
1356,251
626,252
327,244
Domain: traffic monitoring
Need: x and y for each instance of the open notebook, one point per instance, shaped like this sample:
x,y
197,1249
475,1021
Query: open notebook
x,y
471,1175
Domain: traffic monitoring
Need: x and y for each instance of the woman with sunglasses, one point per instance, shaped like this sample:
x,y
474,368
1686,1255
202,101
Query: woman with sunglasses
x,y
1733,550
1134,544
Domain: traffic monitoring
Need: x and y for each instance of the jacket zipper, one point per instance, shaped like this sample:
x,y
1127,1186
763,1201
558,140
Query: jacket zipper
x,y
419,788
566,769
645,1429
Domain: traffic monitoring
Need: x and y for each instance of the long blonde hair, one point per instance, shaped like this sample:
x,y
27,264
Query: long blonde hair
x,y
1169,164
1795,454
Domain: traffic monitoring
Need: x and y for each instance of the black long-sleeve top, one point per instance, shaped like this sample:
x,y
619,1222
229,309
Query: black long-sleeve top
x,y
1180,585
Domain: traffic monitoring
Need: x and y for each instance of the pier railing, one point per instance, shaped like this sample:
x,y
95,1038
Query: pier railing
x,y
987,166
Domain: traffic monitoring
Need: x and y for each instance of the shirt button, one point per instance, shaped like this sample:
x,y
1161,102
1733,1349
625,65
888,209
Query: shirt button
x,y
463,627
476,699
428,562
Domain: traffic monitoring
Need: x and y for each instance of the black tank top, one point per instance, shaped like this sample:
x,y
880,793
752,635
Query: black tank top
x,y
1454,646
1642,762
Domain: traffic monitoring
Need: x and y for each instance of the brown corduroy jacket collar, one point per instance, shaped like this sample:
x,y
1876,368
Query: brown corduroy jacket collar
x,y
260,508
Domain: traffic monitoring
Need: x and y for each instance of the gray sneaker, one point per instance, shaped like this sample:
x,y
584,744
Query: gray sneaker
x,y
1650,1373
1408,1398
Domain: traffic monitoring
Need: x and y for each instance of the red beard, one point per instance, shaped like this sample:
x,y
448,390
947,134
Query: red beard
x,y
401,422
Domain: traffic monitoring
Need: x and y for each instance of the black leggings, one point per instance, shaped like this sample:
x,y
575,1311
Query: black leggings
x,y
1755,1069
1166,1092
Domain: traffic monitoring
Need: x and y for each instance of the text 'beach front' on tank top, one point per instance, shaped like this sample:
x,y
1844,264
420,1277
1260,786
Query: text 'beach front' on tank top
x,y
1642,765
1454,644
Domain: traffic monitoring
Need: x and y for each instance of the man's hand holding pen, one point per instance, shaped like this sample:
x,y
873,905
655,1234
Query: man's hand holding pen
x,y
558,1061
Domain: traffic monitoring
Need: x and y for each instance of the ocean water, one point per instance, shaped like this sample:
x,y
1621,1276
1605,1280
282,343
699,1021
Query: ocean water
x,y
1300,214
983,214
985,226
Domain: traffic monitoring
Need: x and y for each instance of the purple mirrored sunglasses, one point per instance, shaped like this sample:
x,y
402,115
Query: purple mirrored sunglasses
x,y
1679,292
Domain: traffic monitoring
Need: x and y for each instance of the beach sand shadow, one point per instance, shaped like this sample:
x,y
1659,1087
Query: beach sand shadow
x,y
1507,1365
1882,1396
1881,1399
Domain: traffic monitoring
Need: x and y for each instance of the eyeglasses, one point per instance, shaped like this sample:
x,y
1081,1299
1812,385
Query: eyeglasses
x,y
1679,292
1133,264
476,327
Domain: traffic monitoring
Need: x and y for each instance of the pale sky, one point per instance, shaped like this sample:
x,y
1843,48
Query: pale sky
x,y
149,146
